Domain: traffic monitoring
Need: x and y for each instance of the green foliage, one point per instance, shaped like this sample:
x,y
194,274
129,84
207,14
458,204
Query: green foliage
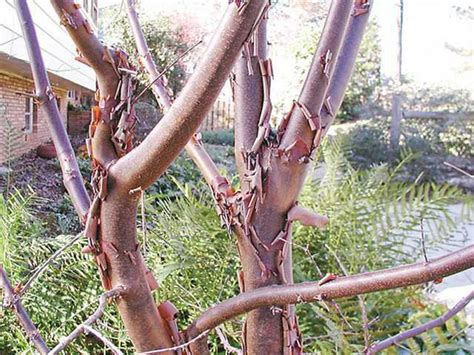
x,y
374,224
62,297
219,137
12,140
366,76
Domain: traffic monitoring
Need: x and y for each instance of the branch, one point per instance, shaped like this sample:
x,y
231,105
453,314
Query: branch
x,y
194,148
386,279
40,269
303,122
143,165
250,83
10,301
103,339
178,347
345,63
422,328
45,97
84,327
103,60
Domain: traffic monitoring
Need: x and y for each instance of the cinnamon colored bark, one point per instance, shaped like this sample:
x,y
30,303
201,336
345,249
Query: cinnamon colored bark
x,y
280,164
345,286
344,66
121,262
99,57
46,99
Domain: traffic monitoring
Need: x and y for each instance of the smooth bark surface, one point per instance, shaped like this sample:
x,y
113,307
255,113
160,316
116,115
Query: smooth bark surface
x,y
46,99
344,286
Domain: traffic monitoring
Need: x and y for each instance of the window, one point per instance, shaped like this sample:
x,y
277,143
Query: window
x,y
71,94
29,115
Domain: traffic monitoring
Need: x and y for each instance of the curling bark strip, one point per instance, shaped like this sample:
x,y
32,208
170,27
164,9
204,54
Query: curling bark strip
x,y
278,163
46,99
386,279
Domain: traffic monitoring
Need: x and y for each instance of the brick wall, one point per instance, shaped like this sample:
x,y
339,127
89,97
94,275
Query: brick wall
x,y
12,110
78,122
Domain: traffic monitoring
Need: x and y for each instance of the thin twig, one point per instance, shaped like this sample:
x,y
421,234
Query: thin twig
x,y
142,207
81,328
168,67
102,338
40,269
360,298
422,328
458,169
225,343
423,246
24,319
178,347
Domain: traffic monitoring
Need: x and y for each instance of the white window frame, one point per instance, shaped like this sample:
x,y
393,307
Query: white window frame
x,y
29,115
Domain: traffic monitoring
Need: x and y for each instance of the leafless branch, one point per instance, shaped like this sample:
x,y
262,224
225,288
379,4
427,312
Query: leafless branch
x,y
225,343
458,169
423,245
165,141
83,328
178,347
102,338
43,266
422,328
360,298
385,279
194,148
46,99
9,301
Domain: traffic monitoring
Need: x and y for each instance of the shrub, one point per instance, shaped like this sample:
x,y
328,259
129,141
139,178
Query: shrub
x,y
220,137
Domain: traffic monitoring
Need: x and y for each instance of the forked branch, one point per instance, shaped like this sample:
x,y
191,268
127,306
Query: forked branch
x,y
85,326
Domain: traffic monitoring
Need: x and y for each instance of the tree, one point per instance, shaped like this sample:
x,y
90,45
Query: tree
x,y
272,166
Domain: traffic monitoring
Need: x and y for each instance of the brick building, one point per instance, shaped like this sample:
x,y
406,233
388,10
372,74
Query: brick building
x,y
22,124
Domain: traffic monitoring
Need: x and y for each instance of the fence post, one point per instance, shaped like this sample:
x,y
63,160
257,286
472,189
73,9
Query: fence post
x,y
396,122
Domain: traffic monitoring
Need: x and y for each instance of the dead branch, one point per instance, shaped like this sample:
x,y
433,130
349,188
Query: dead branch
x,y
225,343
83,327
10,301
42,267
386,279
102,338
360,299
458,307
